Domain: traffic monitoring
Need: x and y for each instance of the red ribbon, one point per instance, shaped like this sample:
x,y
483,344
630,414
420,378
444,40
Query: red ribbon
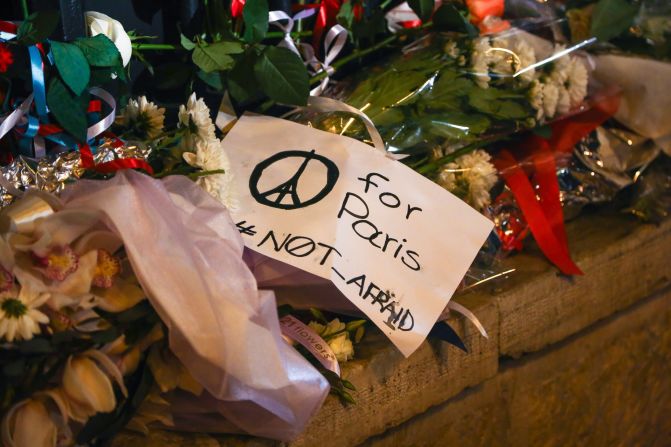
x,y
110,166
326,18
542,207
8,27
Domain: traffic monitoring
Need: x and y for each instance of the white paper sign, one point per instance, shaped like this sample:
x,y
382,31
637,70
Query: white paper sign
x,y
393,242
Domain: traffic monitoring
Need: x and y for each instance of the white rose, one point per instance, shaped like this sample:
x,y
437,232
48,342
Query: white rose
x,y
99,23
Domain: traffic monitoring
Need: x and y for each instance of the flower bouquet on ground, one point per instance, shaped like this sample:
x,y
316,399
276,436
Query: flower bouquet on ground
x,y
97,318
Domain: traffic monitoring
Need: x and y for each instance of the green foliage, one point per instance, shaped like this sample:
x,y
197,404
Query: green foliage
x,y
449,18
612,17
216,56
255,14
282,76
38,27
68,109
423,8
241,82
99,51
72,66
186,43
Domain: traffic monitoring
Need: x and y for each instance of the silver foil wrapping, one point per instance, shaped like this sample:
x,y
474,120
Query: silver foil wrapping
x,y
54,172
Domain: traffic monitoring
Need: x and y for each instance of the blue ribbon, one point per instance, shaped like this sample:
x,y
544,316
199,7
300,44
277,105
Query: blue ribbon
x,y
37,69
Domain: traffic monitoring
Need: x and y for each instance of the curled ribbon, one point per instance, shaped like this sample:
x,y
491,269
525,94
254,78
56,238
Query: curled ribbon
x,y
286,23
542,206
37,129
333,45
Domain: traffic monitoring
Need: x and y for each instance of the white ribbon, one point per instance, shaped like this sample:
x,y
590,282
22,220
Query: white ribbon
x,y
333,45
453,305
15,117
282,20
106,122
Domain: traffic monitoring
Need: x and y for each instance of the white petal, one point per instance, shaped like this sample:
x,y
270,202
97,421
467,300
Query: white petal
x,y
32,426
84,382
11,329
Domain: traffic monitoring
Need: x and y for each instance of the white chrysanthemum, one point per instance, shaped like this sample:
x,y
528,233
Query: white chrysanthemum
x,y
144,117
550,99
564,101
526,57
480,59
576,83
560,66
470,177
536,99
195,116
209,156
19,316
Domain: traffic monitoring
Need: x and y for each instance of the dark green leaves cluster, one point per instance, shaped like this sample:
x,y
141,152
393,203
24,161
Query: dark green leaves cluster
x,y
247,68
425,100
82,64
79,65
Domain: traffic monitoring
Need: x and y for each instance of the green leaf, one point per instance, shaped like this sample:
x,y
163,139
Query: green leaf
x,y
282,76
99,50
318,315
240,81
216,56
37,27
448,18
359,334
211,79
187,43
497,104
423,8
345,16
72,65
354,325
68,109
255,15
611,18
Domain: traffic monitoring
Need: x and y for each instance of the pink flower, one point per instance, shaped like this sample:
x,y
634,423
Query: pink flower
x,y
107,268
58,263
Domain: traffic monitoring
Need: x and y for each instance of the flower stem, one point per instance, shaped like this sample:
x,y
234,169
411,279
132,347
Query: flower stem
x,y
24,9
280,34
195,175
156,47
357,54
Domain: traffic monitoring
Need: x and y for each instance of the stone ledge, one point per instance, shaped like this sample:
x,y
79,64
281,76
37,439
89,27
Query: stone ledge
x,y
536,308
607,385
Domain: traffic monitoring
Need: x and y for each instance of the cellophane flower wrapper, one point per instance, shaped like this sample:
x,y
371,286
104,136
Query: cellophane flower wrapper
x,y
187,254
444,91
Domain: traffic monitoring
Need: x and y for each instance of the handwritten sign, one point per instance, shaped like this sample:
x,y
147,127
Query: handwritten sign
x,y
393,242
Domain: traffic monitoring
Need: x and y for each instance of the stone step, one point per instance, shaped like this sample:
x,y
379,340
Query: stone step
x,y
624,262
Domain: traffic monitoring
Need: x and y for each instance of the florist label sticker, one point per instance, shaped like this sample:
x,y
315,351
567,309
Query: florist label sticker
x,y
393,242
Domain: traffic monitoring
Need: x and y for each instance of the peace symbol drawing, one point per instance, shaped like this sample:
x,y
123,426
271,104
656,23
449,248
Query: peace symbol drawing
x,y
287,195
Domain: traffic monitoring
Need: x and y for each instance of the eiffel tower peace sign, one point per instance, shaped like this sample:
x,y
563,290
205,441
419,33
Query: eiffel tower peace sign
x,y
286,195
